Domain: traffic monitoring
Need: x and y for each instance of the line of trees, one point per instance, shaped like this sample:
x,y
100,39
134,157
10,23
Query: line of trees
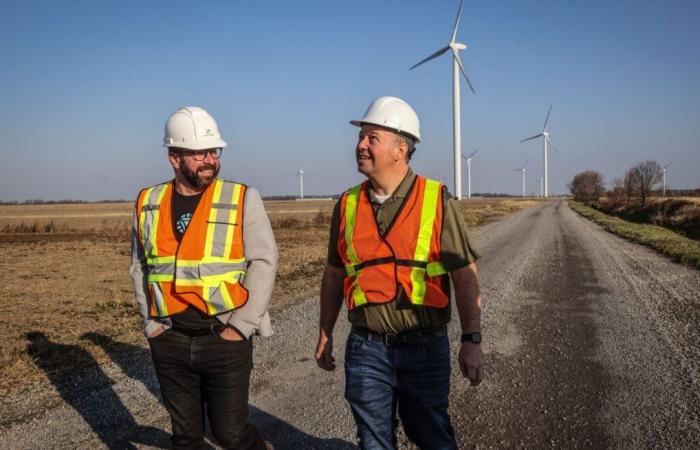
x,y
639,182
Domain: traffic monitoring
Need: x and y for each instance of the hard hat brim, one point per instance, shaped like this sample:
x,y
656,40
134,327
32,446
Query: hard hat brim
x,y
201,145
359,123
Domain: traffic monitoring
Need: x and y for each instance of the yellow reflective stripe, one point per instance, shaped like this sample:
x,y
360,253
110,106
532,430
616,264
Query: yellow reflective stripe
x,y
207,260
358,296
353,197
351,202
160,260
211,226
425,234
160,303
142,216
154,228
218,278
427,219
228,302
157,278
436,268
232,212
417,285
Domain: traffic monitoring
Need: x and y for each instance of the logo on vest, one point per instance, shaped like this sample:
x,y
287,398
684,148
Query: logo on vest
x,y
182,222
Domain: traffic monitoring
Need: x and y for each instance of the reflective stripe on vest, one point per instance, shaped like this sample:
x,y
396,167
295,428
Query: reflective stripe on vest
x,y
214,267
421,267
350,219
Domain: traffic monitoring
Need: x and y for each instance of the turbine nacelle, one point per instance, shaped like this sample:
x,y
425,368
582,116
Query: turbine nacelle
x,y
457,46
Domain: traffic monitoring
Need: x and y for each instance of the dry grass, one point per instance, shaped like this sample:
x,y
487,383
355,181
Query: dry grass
x,y
66,275
679,248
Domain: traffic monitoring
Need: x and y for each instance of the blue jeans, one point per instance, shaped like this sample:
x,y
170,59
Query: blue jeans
x,y
415,379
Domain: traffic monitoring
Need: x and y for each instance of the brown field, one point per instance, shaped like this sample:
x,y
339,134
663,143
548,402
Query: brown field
x,y
65,272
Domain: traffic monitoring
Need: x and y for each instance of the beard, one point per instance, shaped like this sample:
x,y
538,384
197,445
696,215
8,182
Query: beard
x,y
195,178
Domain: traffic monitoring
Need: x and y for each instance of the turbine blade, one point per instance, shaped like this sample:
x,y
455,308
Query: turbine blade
x,y
464,71
473,153
547,119
525,164
456,25
666,166
434,55
550,143
533,137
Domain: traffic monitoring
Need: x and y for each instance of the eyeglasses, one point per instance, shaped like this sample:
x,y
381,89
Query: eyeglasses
x,y
201,155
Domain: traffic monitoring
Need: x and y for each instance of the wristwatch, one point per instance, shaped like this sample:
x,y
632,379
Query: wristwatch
x,y
473,337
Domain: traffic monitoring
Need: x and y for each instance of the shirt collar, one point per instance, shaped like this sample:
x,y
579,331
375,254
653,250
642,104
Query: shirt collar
x,y
400,192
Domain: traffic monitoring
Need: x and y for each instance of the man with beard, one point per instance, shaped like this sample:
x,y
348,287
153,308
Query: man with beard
x,y
396,241
203,266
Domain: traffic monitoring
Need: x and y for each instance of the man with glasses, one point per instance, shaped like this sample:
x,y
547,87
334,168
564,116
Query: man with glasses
x,y
203,265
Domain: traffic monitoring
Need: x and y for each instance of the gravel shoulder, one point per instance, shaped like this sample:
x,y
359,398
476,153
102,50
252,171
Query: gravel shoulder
x,y
590,341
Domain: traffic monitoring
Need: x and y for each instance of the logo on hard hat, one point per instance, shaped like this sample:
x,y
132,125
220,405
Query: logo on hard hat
x,y
208,132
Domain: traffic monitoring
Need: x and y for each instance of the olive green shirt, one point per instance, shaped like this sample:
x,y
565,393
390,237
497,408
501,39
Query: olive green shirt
x,y
401,315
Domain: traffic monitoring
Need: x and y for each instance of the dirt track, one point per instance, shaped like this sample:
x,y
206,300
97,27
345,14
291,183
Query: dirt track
x,y
590,341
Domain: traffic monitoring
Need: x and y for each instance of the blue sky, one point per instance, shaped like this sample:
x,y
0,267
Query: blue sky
x,y
87,86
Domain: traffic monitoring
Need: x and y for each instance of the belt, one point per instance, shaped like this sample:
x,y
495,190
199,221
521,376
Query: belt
x,y
212,329
409,338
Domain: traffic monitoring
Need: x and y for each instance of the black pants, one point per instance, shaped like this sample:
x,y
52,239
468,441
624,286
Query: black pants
x,y
206,371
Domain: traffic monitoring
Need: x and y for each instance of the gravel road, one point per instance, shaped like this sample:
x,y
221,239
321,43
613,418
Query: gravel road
x,y
590,342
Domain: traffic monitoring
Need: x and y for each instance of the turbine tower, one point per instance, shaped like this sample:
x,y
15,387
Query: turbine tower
x,y
469,172
301,183
664,172
545,135
457,66
522,170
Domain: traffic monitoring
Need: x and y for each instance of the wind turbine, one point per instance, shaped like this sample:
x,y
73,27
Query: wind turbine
x,y
522,170
469,172
545,135
457,66
664,171
301,183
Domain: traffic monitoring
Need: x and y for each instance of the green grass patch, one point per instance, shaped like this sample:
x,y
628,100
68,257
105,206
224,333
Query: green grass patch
x,y
677,247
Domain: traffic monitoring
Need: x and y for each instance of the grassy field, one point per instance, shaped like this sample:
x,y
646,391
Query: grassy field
x,y
679,214
677,247
65,276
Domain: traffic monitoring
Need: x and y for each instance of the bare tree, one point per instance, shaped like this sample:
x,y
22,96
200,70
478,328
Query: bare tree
x,y
617,196
587,186
631,184
647,175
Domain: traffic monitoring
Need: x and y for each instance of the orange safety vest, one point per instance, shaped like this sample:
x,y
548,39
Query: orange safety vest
x,y
203,270
408,254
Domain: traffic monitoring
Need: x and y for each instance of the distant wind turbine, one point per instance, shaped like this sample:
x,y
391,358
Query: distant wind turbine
x,y
522,170
469,172
301,183
457,66
664,169
545,135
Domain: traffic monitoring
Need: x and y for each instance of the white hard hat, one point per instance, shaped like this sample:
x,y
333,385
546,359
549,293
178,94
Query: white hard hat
x,y
192,128
392,113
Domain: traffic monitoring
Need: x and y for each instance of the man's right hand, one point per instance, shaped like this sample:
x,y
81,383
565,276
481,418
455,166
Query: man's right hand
x,y
324,352
158,332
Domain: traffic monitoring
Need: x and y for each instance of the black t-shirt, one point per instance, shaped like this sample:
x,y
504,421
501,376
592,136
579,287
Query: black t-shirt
x,y
183,207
